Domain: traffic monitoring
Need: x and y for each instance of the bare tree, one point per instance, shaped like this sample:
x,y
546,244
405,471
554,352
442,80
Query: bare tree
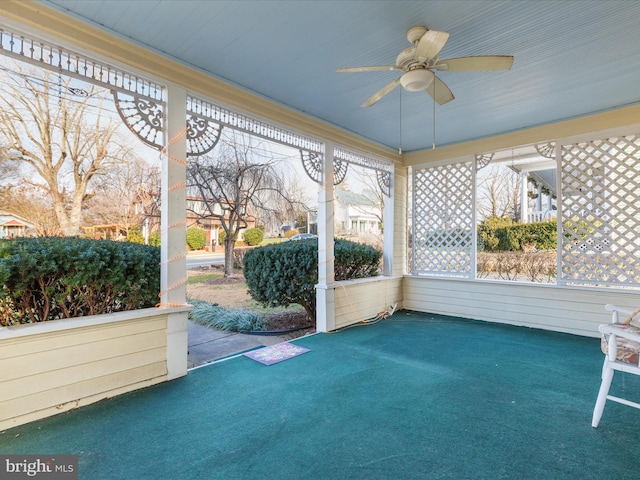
x,y
237,180
498,193
32,204
64,138
118,193
284,207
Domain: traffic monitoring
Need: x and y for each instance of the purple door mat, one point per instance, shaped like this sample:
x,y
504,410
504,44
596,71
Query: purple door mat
x,y
276,353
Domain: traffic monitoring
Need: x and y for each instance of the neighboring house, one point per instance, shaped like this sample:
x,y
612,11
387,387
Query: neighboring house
x,y
197,216
12,226
356,213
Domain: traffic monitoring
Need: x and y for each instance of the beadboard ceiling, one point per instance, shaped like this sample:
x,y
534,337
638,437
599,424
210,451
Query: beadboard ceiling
x,y
572,57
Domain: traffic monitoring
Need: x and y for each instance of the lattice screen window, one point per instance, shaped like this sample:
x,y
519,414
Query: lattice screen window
x,y
443,220
601,212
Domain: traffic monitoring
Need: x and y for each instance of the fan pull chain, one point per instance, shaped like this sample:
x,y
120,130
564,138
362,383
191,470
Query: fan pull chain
x,y
433,142
400,144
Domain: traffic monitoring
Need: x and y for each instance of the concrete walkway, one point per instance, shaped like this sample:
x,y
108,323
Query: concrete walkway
x,y
207,344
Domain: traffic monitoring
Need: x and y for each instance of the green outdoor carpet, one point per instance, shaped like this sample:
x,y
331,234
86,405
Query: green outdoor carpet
x,y
415,396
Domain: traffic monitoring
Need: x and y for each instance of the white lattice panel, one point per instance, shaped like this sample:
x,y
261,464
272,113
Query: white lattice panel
x,y
601,212
443,220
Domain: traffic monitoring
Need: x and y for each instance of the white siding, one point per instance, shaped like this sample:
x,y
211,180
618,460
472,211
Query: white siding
x,y
59,365
358,300
549,307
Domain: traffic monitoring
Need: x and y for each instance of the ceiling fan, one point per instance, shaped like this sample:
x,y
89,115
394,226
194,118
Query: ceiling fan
x,y
420,61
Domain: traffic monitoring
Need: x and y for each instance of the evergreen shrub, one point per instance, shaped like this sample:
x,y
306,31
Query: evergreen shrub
x,y
51,278
196,238
502,235
286,273
253,236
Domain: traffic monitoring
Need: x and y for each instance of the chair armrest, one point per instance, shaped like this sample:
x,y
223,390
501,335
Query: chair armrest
x,y
618,332
616,310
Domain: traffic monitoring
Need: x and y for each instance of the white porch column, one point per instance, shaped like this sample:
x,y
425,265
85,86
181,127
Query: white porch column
x,y
325,300
173,272
524,199
388,233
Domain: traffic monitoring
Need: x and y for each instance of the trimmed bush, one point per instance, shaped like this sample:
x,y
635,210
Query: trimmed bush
x,y
52,278
487,232
290,233
196,238
355,260
286,273
501,235
253,236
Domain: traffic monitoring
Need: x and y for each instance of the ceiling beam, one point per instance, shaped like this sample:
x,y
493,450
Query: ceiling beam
x,y
611,119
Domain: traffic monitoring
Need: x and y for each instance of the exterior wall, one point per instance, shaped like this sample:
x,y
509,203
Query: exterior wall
x,y
12,226
363,299
52,367
549,307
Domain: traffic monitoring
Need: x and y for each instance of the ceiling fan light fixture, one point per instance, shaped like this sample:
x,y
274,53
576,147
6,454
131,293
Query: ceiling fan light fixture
x,y
416,80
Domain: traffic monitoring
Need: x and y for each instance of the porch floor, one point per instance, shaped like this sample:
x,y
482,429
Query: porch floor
x,y
415,396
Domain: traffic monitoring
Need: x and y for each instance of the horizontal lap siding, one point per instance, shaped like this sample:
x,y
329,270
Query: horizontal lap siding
x,y
571,310
49,370
355,302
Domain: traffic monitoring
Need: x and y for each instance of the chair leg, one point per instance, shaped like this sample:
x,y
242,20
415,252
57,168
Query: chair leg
x,y
607,377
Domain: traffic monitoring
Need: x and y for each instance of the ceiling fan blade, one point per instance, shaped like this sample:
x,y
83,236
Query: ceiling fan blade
x,y
439,91
475,64
430,45
368,69
381,93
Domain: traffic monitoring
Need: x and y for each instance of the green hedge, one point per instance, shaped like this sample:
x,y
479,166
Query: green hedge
x,y
52,278
500,235
286,273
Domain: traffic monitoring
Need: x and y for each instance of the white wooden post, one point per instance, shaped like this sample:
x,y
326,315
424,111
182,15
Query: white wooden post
x,y
388,233
524,199
173,290
325,300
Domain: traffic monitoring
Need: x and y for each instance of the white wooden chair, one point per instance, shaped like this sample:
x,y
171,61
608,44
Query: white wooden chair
x,y
621,346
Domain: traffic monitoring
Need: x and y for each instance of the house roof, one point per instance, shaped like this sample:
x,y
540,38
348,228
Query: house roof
x,y
572,58
352,198
9,219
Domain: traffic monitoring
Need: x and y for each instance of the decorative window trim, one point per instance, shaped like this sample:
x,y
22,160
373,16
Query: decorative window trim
x,y
62,60
237,121
140,103
547,150
383,170
483,159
